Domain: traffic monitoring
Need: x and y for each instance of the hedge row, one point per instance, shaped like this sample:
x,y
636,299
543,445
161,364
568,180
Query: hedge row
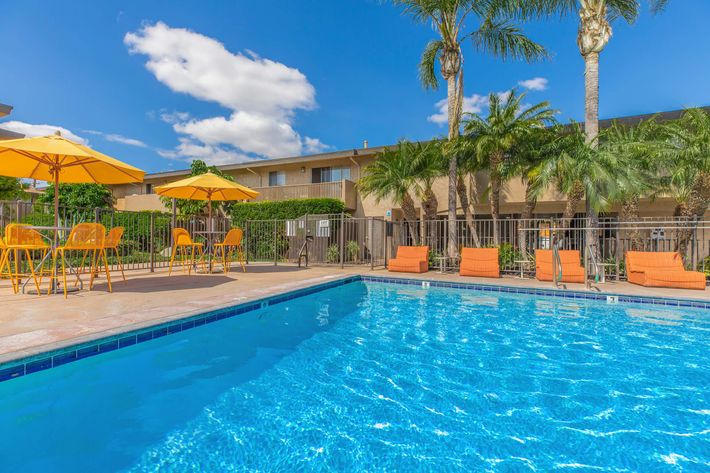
x,y
283,209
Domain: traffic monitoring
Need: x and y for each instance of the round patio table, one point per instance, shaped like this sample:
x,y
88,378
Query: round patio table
x,y
210,239
53,243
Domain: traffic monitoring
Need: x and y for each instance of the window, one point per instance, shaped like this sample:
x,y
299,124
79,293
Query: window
x,y
149,188
330,174
277,178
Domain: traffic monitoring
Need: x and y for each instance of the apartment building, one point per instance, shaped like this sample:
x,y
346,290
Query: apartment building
x,y
334,175
5,110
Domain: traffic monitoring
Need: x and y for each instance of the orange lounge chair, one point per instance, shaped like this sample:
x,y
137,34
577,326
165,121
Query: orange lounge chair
x,y
482,262
410,259
572,271
661,269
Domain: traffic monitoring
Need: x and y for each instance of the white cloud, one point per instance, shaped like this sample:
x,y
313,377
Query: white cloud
x,y
118,138
31,130
473,104
537,83
314,145
189,150
263,95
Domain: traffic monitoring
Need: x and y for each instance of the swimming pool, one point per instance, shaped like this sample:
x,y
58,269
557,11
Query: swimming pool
x,y
375,376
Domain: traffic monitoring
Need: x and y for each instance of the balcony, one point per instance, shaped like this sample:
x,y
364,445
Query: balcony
x,y
343,190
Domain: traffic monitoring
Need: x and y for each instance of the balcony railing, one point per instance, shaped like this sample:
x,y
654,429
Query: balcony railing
x,y
343,190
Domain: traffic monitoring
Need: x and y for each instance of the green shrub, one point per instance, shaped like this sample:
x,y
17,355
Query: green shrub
x,y
507,255
704,266
332,254
352,251
284,209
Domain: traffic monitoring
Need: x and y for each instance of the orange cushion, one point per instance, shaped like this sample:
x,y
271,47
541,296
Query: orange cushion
x,y
408,265
417,252
481,262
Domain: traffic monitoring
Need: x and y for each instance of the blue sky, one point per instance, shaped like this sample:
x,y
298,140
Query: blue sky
x,y
159,83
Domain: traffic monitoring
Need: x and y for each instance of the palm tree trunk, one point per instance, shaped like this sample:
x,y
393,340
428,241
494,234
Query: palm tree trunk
x,y
573,199
496,160
591,128
525,217
453,93
630,216
410,216
430,204
468,214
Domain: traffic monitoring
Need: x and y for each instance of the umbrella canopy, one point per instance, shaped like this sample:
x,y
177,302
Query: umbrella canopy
x,y
44,157
59,160
206,186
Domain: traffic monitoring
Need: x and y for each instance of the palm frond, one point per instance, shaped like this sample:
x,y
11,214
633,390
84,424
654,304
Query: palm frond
x,y
505,40
427,64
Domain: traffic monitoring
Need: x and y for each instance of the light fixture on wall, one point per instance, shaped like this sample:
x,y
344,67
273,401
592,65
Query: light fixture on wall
x,y
303,169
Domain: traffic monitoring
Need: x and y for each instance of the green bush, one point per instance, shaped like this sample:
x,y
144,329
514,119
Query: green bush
x,y
332,254
704,266
352,251
507,255
284,209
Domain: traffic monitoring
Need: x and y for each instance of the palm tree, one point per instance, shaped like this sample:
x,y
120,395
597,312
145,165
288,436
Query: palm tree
x,y
577,169
594,33
508,123
526,159
495,33
685,156
393,176
469,164
635,148
429,163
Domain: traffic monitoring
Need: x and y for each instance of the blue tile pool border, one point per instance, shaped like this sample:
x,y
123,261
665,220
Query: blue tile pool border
x,y
51,359
562,293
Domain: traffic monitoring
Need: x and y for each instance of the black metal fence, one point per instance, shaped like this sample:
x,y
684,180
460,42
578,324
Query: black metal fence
x,y
342,240
517,239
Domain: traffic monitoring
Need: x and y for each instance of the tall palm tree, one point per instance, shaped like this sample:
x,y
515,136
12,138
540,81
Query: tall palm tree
x,y
508,123
594,33
495,32
393,176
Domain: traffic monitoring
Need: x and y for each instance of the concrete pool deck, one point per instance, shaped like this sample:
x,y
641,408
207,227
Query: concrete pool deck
x,y
34,324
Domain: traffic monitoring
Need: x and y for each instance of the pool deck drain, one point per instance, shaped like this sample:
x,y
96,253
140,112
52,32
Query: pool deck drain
x,y
30,324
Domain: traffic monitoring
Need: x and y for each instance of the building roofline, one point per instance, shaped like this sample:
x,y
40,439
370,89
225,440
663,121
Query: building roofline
x,y
359,152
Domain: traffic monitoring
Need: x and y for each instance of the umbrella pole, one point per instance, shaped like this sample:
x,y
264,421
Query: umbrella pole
x,y
56,203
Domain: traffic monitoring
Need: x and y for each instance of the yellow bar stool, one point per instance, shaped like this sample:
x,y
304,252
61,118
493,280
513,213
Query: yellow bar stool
x,y
84,237
113,239
232,244
20,239
183,244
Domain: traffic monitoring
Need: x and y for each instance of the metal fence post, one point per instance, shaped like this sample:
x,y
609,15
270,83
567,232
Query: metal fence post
x,y
341,239
152,242
97,215
370,232
246,242
617,253
276,251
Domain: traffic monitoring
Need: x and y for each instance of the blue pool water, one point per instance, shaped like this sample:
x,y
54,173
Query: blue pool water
x,y
372,376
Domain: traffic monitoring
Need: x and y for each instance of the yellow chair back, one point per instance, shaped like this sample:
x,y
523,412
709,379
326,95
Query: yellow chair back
x,y
20,235
86,236
113,238
233,237
181,237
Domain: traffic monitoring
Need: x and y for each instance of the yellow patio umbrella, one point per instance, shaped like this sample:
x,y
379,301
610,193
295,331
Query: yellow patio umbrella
x,y
58,160
209,187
